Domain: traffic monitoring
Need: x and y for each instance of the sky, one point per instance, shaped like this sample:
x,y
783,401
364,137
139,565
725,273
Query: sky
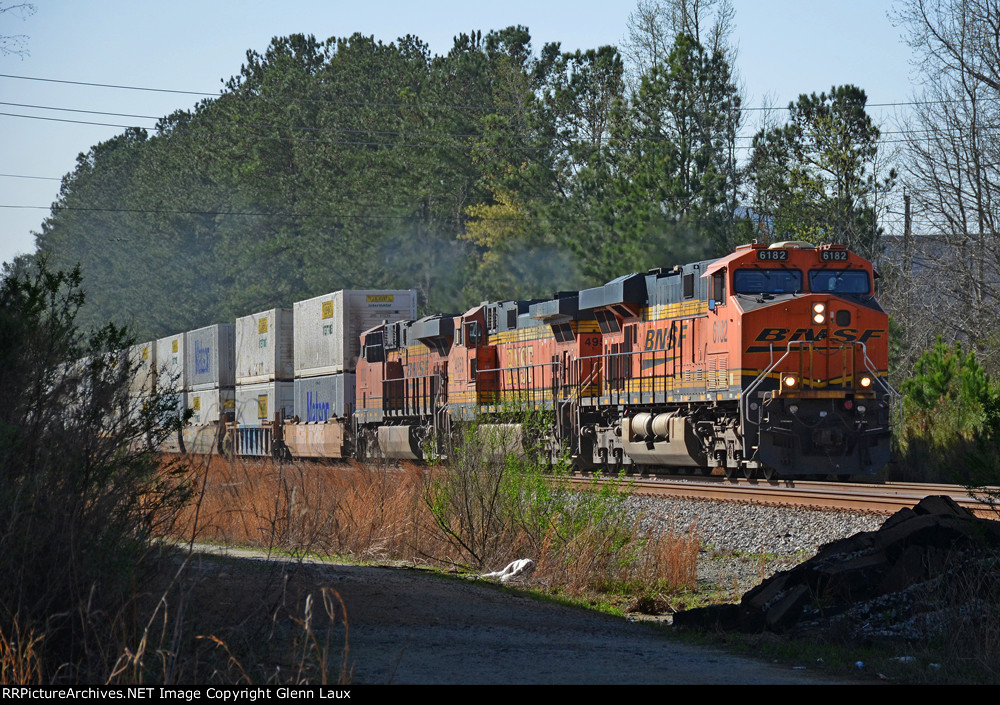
x,y
786,47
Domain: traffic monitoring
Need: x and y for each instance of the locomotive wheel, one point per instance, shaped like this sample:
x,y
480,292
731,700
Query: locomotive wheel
x,y
729,472
768,473
748,472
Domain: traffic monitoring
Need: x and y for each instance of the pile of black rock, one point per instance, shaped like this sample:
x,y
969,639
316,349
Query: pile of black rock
x,y
926,570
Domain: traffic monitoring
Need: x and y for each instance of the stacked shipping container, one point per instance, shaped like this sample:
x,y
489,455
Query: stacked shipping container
x,y
298,363
209,365
327,333
264,366
328,329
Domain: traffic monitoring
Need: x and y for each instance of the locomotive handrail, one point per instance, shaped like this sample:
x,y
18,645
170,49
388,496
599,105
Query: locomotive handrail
x,y
428,393
526,386
607,382
747,394
895,398
870,366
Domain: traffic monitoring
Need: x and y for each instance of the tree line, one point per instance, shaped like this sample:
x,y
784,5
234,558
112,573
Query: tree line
x,y
493,171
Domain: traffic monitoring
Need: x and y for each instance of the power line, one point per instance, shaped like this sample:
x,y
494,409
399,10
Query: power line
x,y
104,85
79,110
282,98
308,128
550,145
345,216
25,176
893,104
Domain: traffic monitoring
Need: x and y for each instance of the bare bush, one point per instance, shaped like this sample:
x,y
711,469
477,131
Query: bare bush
x,y
82,491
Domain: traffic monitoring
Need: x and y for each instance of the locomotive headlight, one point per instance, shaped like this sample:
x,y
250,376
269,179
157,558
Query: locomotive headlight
x,y
865,381
819,313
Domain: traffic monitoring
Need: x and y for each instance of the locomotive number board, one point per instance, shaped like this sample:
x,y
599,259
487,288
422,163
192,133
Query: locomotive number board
x,y
833,255
772,255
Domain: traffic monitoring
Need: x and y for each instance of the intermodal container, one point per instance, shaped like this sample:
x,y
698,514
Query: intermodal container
x,y
258,403
211,405
327,328
142,359
209,357
265,346
170,362
319,399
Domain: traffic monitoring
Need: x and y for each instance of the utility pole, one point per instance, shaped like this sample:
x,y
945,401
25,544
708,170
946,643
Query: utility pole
x,y
907,272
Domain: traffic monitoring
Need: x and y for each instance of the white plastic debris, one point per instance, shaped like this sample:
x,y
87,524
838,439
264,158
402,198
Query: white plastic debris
x,y
516,569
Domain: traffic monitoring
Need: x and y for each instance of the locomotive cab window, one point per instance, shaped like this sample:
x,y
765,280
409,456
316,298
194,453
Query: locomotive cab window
x,y
767,281
374,348
839,281
719,288
473,334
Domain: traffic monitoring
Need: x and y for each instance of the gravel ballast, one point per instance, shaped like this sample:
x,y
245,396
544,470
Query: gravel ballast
x,y
744,543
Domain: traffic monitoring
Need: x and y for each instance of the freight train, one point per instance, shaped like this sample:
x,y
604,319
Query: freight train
x,y
771,361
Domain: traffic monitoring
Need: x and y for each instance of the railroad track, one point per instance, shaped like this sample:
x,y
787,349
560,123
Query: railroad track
x,y
883,499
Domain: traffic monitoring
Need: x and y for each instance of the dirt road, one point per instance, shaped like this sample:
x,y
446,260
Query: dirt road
x,y
413,627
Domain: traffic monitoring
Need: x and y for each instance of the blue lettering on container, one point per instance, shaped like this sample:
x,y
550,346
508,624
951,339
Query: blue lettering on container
x,y
202,358
316,411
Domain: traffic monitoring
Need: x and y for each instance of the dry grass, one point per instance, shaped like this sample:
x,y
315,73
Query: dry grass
x,y
378,512
369,512
642,569
19,659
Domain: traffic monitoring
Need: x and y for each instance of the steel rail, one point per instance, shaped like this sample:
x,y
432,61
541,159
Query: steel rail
x,y
881,499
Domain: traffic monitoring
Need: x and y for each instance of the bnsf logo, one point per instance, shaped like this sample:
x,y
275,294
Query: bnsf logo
x,y
665,338
809,335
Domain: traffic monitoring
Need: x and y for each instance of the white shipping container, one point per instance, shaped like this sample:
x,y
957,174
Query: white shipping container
x,y
170,362
139,404
258,403
142,359
181,399
319,399
210,358
328,327
209,405
264,347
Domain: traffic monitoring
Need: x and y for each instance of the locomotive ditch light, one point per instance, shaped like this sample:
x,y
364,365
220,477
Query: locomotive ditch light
x,y
865,382
789,381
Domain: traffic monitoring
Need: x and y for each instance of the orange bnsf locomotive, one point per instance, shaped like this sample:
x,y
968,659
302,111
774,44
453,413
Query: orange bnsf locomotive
x,y
771,361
